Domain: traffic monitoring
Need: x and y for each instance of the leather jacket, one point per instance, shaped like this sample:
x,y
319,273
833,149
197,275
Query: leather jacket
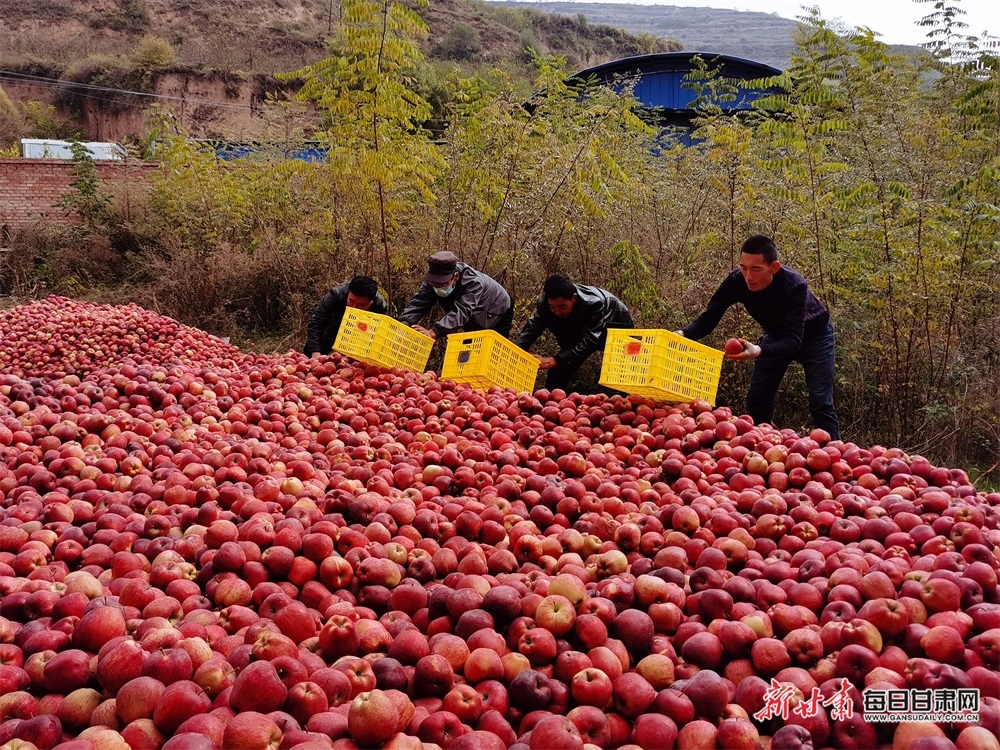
x,y
584,331
321,332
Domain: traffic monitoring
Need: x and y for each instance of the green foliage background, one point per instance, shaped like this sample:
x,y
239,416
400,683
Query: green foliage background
x,y
878,176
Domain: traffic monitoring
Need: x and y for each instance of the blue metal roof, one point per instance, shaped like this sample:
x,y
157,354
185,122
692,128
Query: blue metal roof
x,y
660,77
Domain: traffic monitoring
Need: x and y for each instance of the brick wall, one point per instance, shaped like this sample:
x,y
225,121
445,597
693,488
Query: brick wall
x,y
31,188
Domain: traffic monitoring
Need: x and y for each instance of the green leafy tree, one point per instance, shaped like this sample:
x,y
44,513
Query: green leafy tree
x,y
731,155
381,159
536,181
945,28
42,121
799,125
12,124
87,200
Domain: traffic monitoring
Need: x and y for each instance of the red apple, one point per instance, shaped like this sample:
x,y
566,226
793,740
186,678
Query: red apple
x,y
556,733
177,703
372,718
305,699
258,687
734,346
697,734
591,687
632,694
556,614
738,734
251,730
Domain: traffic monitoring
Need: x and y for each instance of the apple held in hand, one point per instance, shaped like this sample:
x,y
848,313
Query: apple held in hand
x,y
735,346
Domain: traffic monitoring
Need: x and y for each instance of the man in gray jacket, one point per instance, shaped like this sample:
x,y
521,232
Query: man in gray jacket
x,y
471,300
579,317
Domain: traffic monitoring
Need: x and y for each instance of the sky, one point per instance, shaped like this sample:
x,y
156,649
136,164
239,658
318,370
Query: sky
x,y
895,20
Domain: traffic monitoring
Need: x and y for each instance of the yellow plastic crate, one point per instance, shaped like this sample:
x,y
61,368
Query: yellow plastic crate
x,y
382,341
661,365
485,358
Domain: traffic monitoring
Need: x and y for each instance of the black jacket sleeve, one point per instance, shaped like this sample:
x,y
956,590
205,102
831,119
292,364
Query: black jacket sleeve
x,y
724,298
320,333
421,304
534,328
324,325
592,328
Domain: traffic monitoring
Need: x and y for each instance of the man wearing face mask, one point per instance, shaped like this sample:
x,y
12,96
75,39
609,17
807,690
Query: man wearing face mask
x,y
579,317
471,300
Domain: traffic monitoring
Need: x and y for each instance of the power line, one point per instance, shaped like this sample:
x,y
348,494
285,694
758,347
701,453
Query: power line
x,y
59,83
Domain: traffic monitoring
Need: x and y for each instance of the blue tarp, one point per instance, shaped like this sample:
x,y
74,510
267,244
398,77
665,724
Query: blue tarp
x,y
311,151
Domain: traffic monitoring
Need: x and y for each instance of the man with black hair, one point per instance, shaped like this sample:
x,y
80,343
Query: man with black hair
x,y
471,300
360,293
796,325
579,317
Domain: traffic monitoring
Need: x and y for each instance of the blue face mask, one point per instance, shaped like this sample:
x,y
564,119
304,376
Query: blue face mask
x,y
444,291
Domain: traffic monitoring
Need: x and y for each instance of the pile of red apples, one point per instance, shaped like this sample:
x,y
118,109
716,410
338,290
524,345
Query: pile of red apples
x,y
201,548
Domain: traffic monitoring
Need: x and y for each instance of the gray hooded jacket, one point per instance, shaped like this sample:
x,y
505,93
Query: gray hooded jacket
x,y
477,303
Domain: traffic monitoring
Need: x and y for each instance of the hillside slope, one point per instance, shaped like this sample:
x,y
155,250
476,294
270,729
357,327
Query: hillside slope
x,y
269,36
763,37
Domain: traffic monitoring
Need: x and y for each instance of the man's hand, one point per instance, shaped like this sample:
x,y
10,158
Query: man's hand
x,y
315,355
425,331
545,363
750,351
679,333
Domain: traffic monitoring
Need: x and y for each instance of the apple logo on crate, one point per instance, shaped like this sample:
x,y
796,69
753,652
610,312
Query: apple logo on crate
x,y
632,348
362,327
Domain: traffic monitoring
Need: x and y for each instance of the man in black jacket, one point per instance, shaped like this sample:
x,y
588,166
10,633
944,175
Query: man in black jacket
x,y
579,317
471,300
361,293
796,325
